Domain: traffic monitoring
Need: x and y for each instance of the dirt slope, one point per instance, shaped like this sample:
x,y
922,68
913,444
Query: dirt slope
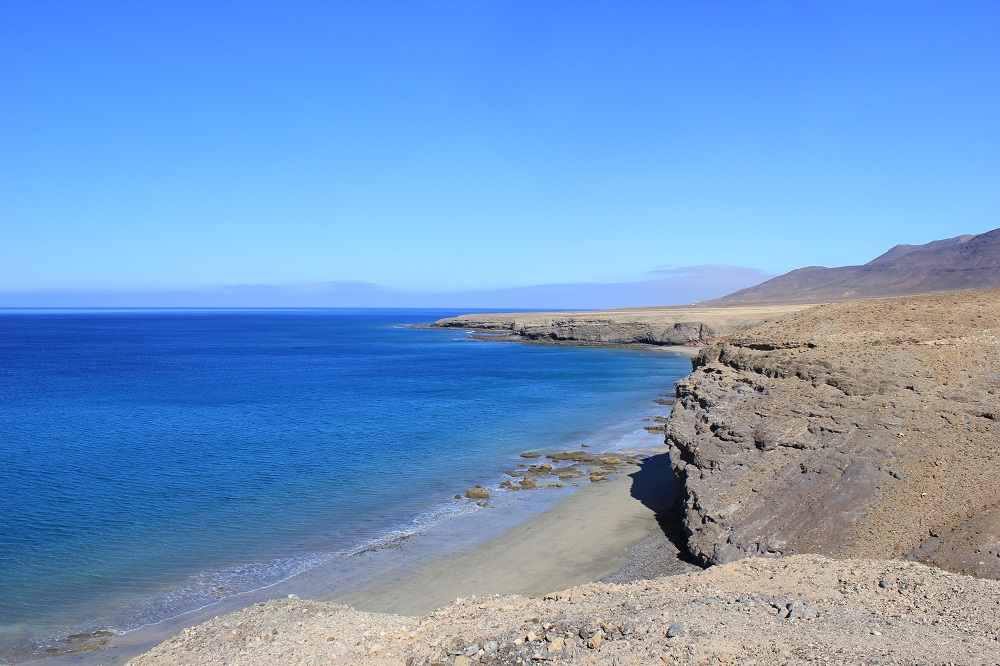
x,y
805,609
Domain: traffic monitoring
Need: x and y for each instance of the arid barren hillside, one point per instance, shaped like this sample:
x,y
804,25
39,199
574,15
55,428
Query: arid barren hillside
x,y
962,262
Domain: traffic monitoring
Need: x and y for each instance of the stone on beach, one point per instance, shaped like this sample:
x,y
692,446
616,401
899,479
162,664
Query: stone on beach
x,y
478,493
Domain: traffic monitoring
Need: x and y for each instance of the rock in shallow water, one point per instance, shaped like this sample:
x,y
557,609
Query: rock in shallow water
x,y
478,493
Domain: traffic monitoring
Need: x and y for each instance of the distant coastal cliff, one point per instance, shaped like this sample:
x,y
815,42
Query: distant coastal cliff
x,y
673,326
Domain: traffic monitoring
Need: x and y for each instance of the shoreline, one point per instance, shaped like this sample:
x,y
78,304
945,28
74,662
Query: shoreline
x,y
488,334
528,543
584,537
857,608
85,643
682,350
667,326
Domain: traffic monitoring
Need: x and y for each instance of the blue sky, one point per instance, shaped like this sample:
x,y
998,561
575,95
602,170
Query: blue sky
x,y
474,146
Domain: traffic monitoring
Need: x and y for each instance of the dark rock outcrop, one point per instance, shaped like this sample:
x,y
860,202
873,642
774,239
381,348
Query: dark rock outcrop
x,y
593,329
865,429
680,325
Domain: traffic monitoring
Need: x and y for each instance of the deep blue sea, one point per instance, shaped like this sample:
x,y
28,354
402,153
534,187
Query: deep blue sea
x,y
153,461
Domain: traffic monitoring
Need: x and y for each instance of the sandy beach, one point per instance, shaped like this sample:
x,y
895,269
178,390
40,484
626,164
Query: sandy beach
x,y
528,543
585,537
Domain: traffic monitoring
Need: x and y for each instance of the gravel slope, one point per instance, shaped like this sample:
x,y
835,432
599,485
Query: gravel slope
x,y
802,609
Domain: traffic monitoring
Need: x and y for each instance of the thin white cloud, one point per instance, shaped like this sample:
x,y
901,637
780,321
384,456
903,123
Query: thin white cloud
x,y
667,286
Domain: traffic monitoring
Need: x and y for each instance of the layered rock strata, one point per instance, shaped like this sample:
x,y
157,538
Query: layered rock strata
x,y
651,326
863,429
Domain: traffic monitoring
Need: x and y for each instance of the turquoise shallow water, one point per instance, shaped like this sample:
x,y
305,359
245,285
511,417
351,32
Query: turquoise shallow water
x,y
154,461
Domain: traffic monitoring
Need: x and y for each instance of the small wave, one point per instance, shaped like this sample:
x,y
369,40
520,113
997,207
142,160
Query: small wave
x,y
213,585
210,586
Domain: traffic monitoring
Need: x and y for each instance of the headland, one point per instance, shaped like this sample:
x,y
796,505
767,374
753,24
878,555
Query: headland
x,y
838,468
674,326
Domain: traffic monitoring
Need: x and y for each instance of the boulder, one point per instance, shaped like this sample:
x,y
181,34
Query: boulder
x,y
477,493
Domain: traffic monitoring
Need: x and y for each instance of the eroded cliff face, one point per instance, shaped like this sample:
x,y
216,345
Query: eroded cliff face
x,y
592,329
612,332
650,326
865,429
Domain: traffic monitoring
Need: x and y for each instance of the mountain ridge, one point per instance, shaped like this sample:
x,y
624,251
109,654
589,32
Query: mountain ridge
x,y
952,264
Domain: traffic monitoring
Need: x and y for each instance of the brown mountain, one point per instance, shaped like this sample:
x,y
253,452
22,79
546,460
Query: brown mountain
x,y
952,264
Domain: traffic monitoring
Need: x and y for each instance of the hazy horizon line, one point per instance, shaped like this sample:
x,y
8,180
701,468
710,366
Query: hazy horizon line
x,y
668,286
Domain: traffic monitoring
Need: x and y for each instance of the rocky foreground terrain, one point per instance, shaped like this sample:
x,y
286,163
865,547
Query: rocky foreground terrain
x,y
804,609
866,429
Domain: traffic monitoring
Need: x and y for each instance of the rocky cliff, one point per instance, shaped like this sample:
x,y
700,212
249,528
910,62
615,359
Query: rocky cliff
x,y
865,429
653,326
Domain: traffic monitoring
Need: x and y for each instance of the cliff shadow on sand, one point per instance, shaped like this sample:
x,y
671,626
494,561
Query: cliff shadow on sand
x,y
655,485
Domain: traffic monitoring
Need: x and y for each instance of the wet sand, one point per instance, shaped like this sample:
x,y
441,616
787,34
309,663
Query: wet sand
x,y
528,543
583,538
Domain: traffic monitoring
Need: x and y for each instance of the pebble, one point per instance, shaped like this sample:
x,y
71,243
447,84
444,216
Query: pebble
x,y
675,630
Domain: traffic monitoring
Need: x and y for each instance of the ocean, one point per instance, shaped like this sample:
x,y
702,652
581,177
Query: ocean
x,y
152,462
